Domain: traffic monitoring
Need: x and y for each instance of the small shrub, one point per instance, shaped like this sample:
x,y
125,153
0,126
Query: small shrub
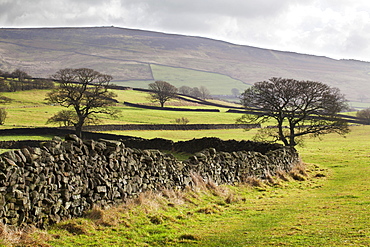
x,y
63,118
182,120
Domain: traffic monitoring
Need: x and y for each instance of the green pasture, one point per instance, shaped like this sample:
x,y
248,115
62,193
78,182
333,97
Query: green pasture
x,y
359,105
29,109
131,96
328,207
217,84
26,98
26,137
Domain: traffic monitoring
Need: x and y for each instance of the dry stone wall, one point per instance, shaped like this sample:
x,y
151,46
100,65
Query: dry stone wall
x,y
62,179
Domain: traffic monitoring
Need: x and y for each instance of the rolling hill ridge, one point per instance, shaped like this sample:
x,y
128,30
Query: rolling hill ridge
x,y
137,57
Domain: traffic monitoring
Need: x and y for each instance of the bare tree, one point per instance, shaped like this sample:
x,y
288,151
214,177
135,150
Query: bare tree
x,y
195,92
185,90
20,74
6,74
84,90
364,115
204,92
299,108
162,92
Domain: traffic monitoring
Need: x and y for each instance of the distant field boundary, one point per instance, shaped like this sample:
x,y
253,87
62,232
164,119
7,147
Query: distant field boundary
x,y
68,130
89,134
169,108
169,127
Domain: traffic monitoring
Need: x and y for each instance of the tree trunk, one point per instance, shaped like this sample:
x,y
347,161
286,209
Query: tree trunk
x,y
78,129
292,141
281,134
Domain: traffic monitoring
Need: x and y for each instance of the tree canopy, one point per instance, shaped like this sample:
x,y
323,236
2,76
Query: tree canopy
x,y
86,91
364,115
196,92
162,92
298,107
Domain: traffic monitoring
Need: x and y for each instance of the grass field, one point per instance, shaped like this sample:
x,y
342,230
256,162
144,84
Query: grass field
x,y
29,109
327,207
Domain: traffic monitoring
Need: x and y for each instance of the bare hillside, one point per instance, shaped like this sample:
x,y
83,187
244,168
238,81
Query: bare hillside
x,y
128,55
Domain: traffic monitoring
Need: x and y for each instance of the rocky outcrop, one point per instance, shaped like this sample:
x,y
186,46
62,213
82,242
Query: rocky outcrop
x,y
62,179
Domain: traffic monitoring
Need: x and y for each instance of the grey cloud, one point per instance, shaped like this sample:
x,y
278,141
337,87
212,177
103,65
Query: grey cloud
x,y
357,43
206,16
214,8
161,12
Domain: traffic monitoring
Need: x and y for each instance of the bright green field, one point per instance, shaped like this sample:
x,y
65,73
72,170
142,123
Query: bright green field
x,y
217,84
29,109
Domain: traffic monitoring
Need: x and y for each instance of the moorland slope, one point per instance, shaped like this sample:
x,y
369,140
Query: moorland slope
x,y
133,55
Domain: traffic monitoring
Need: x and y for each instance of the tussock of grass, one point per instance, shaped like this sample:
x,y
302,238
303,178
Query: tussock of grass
x,y
282,175
77,227
107,218
211,209
299,172
189,237
23,236
254,181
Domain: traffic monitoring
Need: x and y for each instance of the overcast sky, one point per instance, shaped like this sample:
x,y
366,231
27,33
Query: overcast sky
x,y
333,28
